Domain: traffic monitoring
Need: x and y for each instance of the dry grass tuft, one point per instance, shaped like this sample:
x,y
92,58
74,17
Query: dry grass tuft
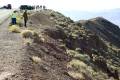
x,y
18,19
36,59
76,75
78,55
14,28
81,68
27,34
30,34
28,41
42,38
71,52
77,64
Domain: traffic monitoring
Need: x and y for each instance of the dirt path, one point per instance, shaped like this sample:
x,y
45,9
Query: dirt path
x,y
12,55
16,63
4,14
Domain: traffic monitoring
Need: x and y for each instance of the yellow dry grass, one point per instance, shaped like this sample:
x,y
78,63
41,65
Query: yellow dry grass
x,y
27,41
76,75
77,64
14,28
27,33
42,38
36,59
71,52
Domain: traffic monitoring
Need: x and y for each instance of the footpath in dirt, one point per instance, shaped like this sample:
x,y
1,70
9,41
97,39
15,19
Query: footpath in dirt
x,y
12,54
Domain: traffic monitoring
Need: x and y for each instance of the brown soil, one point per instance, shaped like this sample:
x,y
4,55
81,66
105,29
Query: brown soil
x,y
16,63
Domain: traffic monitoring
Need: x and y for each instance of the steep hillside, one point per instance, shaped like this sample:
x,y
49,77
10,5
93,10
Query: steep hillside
x,y
83,53
54,47
104,29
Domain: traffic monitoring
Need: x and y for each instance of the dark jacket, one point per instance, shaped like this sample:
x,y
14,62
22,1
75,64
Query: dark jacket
x,y
25,16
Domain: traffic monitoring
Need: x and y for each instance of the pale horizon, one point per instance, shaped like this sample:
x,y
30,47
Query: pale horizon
x,y
68,5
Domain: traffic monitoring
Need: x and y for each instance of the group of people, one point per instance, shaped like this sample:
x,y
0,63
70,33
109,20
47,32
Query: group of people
x,y
40,7
14,18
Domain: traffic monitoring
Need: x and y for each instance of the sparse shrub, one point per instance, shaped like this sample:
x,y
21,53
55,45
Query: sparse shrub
x,y
78,65
52,14
63,24
27,34
76,75
78,55
30,28
32,35
28,41
41,38
60,40
82,57
14,28
62,45
36,59
71,52
78,49
18,19
74,35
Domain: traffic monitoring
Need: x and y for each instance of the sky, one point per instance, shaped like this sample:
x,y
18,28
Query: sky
x,y
68,5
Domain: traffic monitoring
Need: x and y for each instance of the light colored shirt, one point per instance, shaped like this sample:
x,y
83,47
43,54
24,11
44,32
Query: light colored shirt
x,y
14,15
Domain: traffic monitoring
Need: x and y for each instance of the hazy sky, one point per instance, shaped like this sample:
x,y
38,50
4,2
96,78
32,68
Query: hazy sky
x,y
69,5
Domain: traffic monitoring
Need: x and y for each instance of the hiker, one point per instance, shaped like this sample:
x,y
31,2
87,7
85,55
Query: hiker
x,y
37,7
40,7
44,7
13,18
25,16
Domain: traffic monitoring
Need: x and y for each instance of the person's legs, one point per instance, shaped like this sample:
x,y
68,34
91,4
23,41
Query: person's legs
x,y
13,21
25,21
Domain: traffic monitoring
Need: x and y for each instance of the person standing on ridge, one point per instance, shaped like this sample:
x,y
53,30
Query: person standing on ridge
x,y
13,18
25,16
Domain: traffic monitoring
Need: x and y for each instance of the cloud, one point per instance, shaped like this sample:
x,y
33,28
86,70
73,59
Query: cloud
x,y
83,4
17,3
69,5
